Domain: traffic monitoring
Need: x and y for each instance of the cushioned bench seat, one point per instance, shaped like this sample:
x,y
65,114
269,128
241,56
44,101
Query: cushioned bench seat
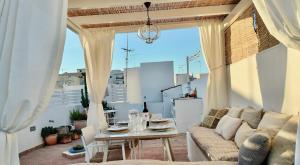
x,y
156,162
213,145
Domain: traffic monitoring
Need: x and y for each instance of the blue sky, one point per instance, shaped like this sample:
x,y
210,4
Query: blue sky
x,y
173,45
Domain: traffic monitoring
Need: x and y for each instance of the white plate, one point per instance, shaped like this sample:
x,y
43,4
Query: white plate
x,y
159,120
159,127
117,129
122,122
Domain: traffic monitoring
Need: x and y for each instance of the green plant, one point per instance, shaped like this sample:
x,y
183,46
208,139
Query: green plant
x,y
61,137
46,131
77,131
75,114
78,147
105,106
84,95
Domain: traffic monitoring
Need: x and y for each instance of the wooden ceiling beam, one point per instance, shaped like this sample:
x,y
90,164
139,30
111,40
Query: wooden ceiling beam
x,y
92,4
236,12
156,15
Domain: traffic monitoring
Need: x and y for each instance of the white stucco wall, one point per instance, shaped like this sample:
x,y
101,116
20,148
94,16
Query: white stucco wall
x,y
268,80
168,96
134,87
154,77
199,84
124,107
60,105
181,78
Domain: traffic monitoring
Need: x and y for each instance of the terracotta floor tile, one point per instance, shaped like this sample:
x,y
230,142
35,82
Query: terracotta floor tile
x,y
152,149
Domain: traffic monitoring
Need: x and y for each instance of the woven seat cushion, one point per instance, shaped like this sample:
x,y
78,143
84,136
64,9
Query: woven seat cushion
x,y
214,146
283,145
157,162
213,118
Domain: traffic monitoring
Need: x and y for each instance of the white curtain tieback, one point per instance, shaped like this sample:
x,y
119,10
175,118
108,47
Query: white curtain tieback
x,y
6,132
217,67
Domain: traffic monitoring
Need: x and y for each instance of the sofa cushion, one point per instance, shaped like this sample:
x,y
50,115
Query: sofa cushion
x,y
243,133
228,126
283,145
251,116
273,121
235,112
214,146
213,118
255,149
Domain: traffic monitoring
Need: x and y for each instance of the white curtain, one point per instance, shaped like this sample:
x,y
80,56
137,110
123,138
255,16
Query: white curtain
x,y
32,35
212,44
282,18
98,48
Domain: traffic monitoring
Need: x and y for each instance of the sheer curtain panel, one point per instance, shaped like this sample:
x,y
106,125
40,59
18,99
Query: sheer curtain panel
x,y
282,19
98,49
32,35
212,44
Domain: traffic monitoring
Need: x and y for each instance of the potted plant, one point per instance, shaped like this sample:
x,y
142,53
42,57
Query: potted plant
x,y
78,118
76,133
64,138
49,135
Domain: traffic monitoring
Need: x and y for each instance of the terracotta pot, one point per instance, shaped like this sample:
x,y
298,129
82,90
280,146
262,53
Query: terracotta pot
x,y
51,139
79,124
66,139
75,136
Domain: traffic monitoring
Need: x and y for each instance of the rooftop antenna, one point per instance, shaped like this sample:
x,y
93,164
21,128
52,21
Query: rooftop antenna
x,y
127,50
190,59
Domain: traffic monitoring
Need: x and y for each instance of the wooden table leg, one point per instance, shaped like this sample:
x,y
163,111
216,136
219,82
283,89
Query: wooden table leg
x,y
140,149
131,149
105,150
168,149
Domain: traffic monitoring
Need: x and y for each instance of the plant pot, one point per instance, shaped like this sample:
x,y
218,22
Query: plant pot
x,y
66,139
51,139
75,136
79,124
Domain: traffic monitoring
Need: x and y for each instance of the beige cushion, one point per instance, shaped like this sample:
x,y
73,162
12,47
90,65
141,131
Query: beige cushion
x,y
235,112
251,116
255,149
228,126
157,162
213,118
283,146
273,121
214,146
243,133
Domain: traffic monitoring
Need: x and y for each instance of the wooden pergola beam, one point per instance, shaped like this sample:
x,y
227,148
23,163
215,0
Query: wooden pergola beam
x,y
92,4
157,15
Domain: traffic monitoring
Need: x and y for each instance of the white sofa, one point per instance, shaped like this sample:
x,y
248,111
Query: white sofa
x,y
205,144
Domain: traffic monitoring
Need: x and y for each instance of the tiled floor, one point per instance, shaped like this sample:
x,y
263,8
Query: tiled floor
x,y
152,149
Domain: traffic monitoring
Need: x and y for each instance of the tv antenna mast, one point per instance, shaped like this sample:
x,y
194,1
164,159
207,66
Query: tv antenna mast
x,y
190,59
127,50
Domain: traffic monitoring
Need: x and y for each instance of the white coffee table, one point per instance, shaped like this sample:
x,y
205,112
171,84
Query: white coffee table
x,y
132,137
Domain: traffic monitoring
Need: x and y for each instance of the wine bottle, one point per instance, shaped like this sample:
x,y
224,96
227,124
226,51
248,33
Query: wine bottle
x,y
145,110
